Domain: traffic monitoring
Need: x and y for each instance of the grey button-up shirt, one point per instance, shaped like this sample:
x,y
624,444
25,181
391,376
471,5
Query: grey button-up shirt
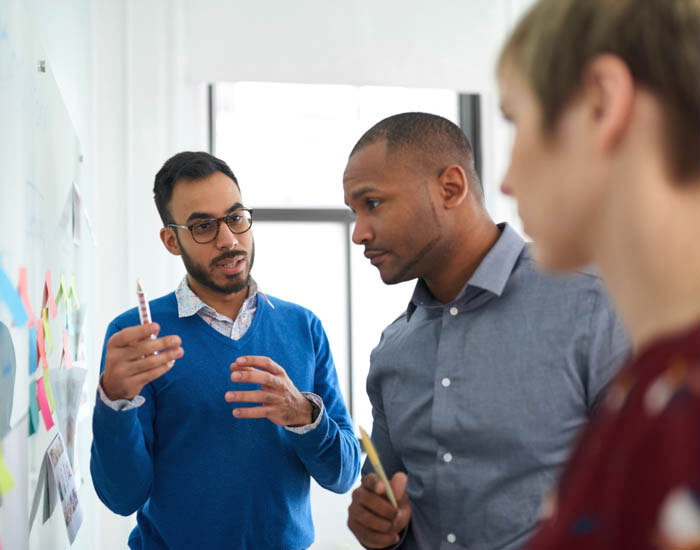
x,y
481,399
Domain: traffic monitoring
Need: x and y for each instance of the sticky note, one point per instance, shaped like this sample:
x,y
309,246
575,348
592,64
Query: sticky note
x,y
32,349
40,344
11,297
49,393
47,330
6,481
66,350
49,300
44,404
73,293
33,409
23,290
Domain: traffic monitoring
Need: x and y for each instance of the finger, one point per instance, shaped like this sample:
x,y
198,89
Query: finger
x,y
149,347
148,376
263,411
135,368
260,362
371,538
377,504
131,335
253,396
254,376
370,482
367,516
398,485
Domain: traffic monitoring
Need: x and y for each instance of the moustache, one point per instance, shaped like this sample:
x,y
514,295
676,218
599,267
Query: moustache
x,y
226,256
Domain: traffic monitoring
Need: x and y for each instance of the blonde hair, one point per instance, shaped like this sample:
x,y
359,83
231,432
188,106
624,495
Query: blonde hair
x,y
658,40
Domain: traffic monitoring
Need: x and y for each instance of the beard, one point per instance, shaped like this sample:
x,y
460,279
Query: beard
x,y
199,273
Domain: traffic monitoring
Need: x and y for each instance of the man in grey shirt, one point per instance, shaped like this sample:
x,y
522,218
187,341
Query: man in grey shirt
x,y
480,388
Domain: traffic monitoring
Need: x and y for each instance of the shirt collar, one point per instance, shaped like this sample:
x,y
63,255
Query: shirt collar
x,y
188,303
491,274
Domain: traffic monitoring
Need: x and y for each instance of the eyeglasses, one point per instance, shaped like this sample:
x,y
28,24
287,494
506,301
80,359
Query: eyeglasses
x,y
205,231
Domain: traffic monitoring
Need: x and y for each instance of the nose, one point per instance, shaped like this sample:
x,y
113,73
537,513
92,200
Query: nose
x,y
226,239
506,188
362,233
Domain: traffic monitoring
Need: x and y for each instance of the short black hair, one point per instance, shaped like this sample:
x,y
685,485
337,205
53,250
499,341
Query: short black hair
x,y
192,165
435,139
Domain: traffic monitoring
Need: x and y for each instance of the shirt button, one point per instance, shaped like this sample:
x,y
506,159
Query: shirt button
x,y
446,382
447,457
453,311
451,538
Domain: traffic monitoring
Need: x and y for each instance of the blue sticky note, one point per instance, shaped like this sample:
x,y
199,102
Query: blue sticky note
x,y
11,297
32,349
33,409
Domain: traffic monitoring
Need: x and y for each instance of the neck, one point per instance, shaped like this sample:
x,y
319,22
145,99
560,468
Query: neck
x,y
471,239
224,304
649,255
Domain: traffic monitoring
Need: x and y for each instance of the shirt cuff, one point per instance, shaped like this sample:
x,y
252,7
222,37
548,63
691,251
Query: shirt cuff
x,y
119,404
316,400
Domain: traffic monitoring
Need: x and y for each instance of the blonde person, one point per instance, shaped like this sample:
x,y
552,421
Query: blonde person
x,y
604,97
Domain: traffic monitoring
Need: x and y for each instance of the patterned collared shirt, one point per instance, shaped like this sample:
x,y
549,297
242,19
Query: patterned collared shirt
x,y
188,303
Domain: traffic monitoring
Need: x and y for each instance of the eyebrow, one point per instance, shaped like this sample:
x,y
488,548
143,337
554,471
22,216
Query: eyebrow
x,y
362,191
208,216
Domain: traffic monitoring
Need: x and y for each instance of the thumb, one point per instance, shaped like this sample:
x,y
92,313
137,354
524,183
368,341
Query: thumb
x,y
398,485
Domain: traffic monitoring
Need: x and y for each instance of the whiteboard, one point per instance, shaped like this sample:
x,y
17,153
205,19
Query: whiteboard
x,y
40,160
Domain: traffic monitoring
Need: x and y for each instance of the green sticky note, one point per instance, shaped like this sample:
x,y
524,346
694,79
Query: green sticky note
x,y
33,409
6,481
49,393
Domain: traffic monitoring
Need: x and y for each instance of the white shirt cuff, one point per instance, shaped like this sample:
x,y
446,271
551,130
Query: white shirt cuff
x,y
119,404
316,400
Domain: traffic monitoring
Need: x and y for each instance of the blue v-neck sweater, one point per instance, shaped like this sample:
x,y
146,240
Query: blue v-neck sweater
x,y
198,476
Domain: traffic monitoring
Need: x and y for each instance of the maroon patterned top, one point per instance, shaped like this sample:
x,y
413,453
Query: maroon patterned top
x,y
634,480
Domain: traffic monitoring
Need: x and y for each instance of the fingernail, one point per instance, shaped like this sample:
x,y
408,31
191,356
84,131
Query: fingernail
x,y
171,362
236,376
153,328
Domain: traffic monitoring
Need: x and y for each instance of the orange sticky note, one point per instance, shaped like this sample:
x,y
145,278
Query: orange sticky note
x,y
49,300
44,404
66,350
40,344
23,290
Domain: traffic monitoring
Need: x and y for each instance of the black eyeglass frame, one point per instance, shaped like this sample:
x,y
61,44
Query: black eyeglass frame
x,y
218,225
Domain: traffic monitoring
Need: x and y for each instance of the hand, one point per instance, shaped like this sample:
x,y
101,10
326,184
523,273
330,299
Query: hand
x,y
130,362
372,518
282,402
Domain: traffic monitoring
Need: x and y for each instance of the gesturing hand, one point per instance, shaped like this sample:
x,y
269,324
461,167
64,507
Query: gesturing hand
x,y
372,518
280,401
130,363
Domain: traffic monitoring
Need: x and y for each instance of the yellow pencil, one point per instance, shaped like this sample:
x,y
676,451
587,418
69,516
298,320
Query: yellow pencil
x,y
374,459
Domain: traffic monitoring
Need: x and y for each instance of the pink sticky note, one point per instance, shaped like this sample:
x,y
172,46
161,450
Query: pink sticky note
x,y
44,403
40,344
49,299
23,290
66,350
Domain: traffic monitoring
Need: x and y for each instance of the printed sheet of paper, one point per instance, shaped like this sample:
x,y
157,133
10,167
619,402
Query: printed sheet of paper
x,y
68,389
65,481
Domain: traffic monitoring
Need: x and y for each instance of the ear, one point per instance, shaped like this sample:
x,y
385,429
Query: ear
x,y
609,87
167,235
454,186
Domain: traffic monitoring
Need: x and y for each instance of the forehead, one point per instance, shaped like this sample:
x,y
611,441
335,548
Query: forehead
x,y
213,195
371,165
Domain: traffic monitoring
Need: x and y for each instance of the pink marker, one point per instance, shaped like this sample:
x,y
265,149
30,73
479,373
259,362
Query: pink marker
x,y
144,310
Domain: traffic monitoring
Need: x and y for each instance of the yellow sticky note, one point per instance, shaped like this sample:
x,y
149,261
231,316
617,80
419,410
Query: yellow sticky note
x,y
6,480
49,393
73,292
47,329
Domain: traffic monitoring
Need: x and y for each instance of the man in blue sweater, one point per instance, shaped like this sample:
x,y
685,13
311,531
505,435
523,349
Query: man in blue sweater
x,y
200,472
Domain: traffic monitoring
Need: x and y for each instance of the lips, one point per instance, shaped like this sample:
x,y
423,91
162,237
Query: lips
x,y
375,256
231,266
